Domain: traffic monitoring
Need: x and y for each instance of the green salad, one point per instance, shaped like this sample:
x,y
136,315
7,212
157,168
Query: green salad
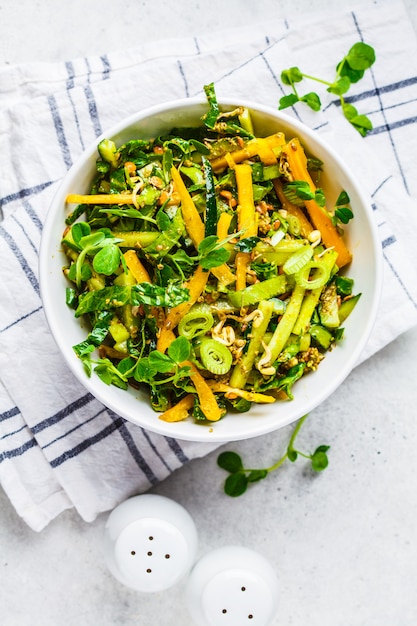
x,y
208,266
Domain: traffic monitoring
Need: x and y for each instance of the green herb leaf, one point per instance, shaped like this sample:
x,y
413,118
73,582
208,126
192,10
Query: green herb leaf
x,y
292,455
107,260
144,372
344,69
179,350
344,214
319,459
230,461
312,100
239,478
288,101
247,244
292,75
361,56
80,230
350,70
161,362
154,295
343,198
92,240
319,197
341,86
362,123
235,485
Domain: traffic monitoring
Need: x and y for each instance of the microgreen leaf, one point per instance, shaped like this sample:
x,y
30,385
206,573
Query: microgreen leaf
x,y
312,100
341,86
211,254
319,197
179,349
362,123
107,260
235,484
162,221
161,362
361,56
349,70
343,69
343,214
92,240
240,477
80,230
144,372
292,454
288,101
230,461
292,75
319,459
343,198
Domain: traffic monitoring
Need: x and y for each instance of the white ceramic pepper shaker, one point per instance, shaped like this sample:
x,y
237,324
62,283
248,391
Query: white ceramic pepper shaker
x,y
232,586
150,542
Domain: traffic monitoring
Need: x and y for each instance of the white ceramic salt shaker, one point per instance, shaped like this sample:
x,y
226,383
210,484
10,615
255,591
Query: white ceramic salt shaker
x,y
150,542
231,586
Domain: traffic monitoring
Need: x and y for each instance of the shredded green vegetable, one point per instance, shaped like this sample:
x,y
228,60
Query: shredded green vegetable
x,y
195,281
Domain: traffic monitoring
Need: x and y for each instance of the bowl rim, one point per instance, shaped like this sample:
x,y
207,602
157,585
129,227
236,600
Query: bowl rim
x,y
100,392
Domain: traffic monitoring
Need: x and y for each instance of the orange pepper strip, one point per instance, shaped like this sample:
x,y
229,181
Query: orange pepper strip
x,y
250,150
223,273
305,226
105,198
193,222
242,261
135,265
195,285
208,402
165,338
297,161
179,411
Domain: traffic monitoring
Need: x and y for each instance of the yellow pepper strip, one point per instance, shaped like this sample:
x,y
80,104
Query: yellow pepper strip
x,y
195,285
101,198
242,261
165,338
223,225
247,219
193,222
246,214
208,402
136,266
297,161
250,150
223,274
305,226
265,152
179,411
251,396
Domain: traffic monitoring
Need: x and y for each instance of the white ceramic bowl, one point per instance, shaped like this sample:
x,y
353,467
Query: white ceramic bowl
x,y
311,390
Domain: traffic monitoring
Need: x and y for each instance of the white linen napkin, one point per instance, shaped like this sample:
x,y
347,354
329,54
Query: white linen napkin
x,y
60,447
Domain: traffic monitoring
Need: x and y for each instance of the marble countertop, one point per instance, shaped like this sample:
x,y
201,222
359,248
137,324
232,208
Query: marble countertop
x,y
343,542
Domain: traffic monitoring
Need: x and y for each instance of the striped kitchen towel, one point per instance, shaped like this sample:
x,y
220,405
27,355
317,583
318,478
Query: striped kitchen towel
x,y
60,447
